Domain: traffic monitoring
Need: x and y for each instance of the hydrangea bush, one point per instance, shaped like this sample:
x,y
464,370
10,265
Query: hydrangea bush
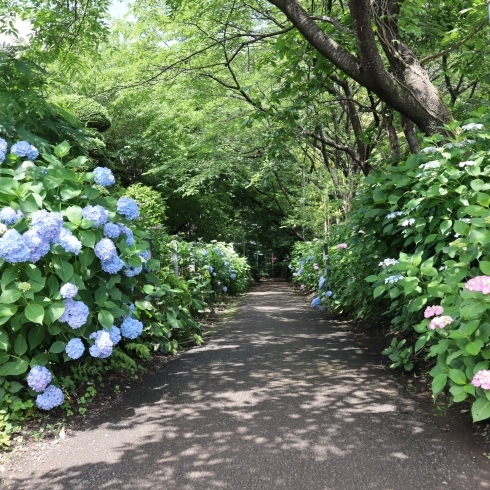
x,y
428,221
76,274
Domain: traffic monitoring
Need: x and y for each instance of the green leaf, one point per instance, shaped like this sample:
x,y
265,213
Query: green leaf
x,y
34,273
57,347
35,336
20,345
10,296
62,149
86,257
378,291
87,238
485,267
55,310
53,285
14,368
480,410
9,275
15,387
438,383
371,278
69,193
417,304
105,318
474,348
41,359
63,269
4,340
74,214
34,312
429,271
477,184
457,376
445,226
461,227
421,342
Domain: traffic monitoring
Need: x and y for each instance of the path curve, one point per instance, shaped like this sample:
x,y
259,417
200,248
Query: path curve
x,y
278,399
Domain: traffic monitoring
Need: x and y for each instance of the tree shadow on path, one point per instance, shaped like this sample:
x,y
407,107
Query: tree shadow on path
x,y
278,399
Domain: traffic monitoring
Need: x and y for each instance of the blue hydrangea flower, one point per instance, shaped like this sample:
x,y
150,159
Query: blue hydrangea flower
x,y
75,314
300,271
112,266
3,150
24,149
103,176
321,282
103,345
131,328
96,214
112,230
216,250
74,348
38,378
105,250
69,242
52,397
13,248
233,276
209,268
226,264
131,271
203,251
316,302
115,334
131,307
68,290
328,294
128,208
321,308
225,289
145,254
10,216
129,234
36,245
47,224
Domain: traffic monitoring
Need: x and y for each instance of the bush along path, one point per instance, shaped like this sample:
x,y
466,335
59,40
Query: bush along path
x,y
81,294
280,398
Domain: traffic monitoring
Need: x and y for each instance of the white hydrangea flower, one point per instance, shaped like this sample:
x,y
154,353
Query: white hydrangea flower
x,y
472,127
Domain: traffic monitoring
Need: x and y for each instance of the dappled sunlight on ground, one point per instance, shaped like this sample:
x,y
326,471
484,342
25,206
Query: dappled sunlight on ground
x,y
279,399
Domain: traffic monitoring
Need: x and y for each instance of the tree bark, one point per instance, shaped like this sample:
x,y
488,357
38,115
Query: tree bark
x,y
405,87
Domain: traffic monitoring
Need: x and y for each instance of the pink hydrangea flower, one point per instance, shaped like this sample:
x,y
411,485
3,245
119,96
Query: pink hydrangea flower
x,y
342,245
431,311
482,380
479,283
440,322
315,266
302,286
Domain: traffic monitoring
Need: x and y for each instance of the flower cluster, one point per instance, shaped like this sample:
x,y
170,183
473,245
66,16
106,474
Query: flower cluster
x,y
24,149
387,262
479,283
47,224
103,344
316,302
482,379
469,163
36,246
129,234
10,216
395,214
393,279
115,335
321,282
75,314
440,322
342,245
112,230
128,208
429,149
428,165
431,311
105,250
104,176
3,150
96,214
52,397
131,328
74,348
69,242
408,222
472,127
12,247
68,291
38,378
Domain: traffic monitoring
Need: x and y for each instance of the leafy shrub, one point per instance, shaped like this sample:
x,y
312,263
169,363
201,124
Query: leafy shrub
x,y
427,219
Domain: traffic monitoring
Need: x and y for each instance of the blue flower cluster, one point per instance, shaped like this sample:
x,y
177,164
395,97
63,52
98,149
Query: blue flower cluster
x,y
321,282
328,294
3,150
24,149
112,230
36,246
105,249
112,266
225,289
128,208
233,276
103,345
10,216
38,378
74,348
129,234
131,328
69,242
97,214
103,176
131,271
12,247
47,224
68,291
115,334
75,314
52,397
316,302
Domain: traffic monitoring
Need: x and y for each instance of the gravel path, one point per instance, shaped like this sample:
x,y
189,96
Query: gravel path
x,y
278,399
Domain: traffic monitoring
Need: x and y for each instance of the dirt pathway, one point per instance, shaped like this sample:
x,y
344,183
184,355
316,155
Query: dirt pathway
x,y
278,399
